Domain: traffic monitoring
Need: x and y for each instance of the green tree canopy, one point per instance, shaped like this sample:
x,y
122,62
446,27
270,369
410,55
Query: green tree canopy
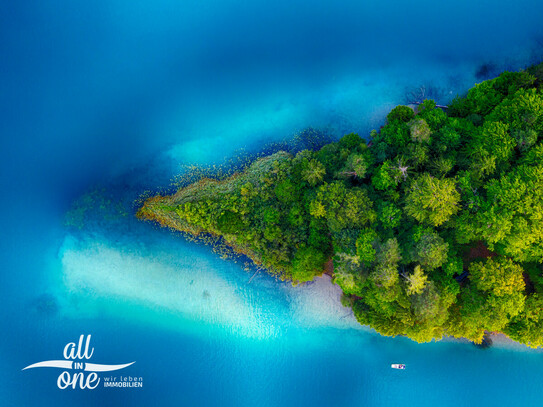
x,y
500,277
416,281
433,194
432,200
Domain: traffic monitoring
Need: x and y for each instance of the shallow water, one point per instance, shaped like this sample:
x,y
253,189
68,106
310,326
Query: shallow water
x,y
101,101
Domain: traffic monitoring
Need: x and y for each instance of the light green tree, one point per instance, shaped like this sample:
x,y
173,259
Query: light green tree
x,y
313,172
364,246
432,200
500,277
416,281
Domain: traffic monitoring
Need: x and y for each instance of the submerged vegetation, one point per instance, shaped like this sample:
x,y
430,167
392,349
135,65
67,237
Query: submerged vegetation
x,y
435,196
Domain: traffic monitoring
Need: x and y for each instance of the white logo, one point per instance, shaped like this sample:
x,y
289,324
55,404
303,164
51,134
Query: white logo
x,y
75,356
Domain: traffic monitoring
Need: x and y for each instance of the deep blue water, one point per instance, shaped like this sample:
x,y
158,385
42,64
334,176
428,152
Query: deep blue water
x,y
103,100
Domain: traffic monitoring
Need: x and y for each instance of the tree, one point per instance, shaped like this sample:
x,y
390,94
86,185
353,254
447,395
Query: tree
x,y
435,118
390,215
430,251
343,207
385,274
286,191
493,141
454,265
348,274
509,83
313,172
445,140
511,217
317,209
525,138
417,154
441,166
416,281
364,246
396,135
355,166
389,252
493,299
400,113
432,200
500,277
527,326
383,178
351,141
522,110
483,97
431,306
230,222
307,263
419,130
319,237
329,156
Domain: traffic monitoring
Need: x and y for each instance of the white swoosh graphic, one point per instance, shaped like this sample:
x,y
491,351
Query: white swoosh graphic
x,y
68,364
63,364
92,367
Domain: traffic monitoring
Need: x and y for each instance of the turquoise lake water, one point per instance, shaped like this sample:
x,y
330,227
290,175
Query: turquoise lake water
x,y
101,101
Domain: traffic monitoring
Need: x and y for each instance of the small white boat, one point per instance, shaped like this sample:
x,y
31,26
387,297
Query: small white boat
x,y
397,366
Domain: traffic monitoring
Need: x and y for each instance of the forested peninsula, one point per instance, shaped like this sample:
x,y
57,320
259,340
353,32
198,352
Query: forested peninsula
x,y
434,226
